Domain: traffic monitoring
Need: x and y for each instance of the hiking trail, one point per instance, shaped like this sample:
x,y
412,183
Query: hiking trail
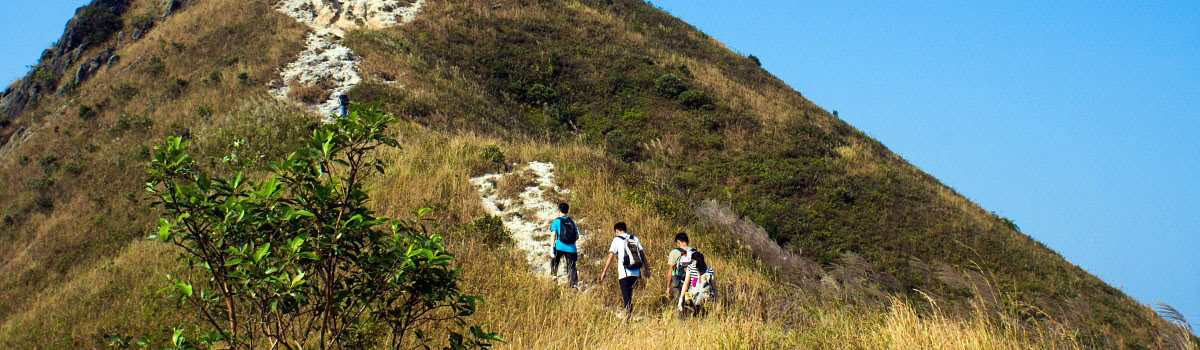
x,y
326,64
528,214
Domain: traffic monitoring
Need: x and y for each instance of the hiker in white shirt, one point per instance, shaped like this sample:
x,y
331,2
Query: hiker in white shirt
x,y
631,263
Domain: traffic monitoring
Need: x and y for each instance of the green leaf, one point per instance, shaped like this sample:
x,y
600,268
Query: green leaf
x,y
297,279
184,288
421,212
261,252
164,230
295,243
233,261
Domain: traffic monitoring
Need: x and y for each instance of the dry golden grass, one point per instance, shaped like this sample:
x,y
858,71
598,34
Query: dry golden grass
x,y
310,94
532,312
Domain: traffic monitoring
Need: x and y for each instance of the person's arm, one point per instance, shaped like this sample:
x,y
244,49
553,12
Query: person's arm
x,y
672,260
554,228
667,282
604,273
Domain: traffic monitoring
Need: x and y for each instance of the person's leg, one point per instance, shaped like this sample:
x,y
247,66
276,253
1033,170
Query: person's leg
x,y
554,263
627,293
572,274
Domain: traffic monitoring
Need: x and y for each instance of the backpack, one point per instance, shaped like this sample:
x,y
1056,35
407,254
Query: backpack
x,y
633,254
679,271
701,288
568,233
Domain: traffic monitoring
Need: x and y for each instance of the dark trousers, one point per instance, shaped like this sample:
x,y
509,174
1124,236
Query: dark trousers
x,y
572,274
627,292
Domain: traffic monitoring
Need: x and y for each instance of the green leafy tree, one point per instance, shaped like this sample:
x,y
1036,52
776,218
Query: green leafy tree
x,y
296,259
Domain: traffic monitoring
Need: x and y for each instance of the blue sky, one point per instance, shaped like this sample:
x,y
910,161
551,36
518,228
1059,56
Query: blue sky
x,y
1075,119
28,27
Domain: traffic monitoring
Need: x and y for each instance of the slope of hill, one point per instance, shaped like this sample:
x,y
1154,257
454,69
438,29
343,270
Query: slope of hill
x,y
647,121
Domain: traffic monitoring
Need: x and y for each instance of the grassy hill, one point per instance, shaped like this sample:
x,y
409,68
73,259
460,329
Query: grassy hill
x,y
647,119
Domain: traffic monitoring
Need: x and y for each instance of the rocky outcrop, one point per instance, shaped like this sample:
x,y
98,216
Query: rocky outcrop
x,y
754,237
91,26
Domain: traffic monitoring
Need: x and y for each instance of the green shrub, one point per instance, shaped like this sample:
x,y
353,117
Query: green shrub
x,y
43,202
694,99
755,60
214,77
47,77
623,145
143,22
86,112
126,123
49,163
125,92
538,93
490,230
669,85
204,111
41,183
176,89
155,66
75,167
305,245
492,160
95,24
708,122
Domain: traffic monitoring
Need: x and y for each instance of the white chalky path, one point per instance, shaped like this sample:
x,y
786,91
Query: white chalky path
x,y
325,59
530,234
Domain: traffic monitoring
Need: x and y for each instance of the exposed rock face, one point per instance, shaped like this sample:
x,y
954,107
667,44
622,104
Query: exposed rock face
x,y
755,237
334,16
91,26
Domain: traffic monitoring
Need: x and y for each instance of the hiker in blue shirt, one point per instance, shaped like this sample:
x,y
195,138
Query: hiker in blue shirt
x,y
565,235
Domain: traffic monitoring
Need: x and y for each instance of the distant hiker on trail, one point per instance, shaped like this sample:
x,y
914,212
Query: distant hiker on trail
x,y
565,235
628,250
682,251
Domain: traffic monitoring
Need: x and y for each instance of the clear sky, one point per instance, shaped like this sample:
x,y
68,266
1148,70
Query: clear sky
x,y
1076,119
28,27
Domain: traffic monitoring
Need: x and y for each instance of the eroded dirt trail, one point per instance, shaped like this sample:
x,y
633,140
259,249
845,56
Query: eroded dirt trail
x,y
325,63
527,214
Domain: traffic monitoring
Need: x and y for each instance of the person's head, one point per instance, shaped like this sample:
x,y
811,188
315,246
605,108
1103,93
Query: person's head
x,y
681,240
620,228
563,208
698,262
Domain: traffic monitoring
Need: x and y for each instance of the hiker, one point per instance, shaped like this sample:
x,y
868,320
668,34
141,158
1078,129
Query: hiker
x,y
678,268
628,251
698,286
690,284
565,235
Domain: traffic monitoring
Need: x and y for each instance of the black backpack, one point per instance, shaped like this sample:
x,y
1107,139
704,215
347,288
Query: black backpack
x,y
633,255
568,233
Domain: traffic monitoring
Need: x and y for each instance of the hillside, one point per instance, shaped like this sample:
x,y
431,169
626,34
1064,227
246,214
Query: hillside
x,y
822,236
